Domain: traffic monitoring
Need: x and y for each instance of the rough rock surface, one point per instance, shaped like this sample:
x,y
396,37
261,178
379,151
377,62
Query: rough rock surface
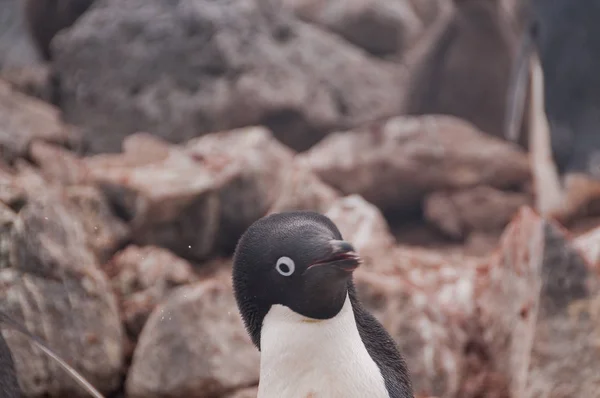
x,y
55,288
198,199
566,356
448,313
24,119
214,66
480,209
394,164
142,277
194,345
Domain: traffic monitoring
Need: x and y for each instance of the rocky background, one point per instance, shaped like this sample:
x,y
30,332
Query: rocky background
x,y
133,160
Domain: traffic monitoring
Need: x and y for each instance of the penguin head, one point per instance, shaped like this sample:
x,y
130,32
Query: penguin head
x,y
296,259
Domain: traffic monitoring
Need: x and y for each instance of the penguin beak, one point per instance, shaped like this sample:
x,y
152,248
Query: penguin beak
x,y
343,257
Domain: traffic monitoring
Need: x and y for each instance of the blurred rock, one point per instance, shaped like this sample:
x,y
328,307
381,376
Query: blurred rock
x,y
380,27
55,288
463,67
142,277
480,209
199,198
25,119
250,392
170,200
58,164
362,224
34,81
266,179
566,356
396,163
459,321
105,232
194,345
215,66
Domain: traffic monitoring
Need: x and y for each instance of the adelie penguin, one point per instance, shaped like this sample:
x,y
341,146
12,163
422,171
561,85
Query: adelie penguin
x,y
292,279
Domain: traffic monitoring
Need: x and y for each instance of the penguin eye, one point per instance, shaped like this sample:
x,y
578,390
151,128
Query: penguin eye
x,y
285,266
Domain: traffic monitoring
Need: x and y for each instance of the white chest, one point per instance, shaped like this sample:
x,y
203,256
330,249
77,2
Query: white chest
x,y
301,358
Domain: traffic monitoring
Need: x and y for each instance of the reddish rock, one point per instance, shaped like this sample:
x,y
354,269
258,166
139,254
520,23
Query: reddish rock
x,y
143,277
479,209
194,345
26,119
396,163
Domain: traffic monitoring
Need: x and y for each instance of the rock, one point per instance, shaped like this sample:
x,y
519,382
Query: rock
x,y
215,66
194,345
565,360
170,201
34,81
459,320
463,69
378,26
55,288
24,120
479,209
57,164
266,180
104,231
250,392
395,164
363,225
142,277
198,199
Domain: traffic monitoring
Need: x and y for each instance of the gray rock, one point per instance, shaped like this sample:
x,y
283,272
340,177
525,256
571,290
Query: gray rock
x,y
196,66
55,288
194,345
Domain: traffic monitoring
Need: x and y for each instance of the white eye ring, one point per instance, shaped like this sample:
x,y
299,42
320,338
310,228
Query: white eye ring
x,y
289,266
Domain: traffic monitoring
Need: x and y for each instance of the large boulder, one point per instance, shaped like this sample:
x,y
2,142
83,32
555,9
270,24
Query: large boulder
x,y
52,284
194,345
24,120
195,66
198,199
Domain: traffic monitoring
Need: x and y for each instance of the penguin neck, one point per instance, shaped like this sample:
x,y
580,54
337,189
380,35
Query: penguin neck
x,y
300,356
